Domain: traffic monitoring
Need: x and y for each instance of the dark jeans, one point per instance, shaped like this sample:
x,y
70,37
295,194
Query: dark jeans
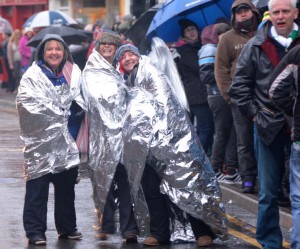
x,y
245,145
204,124
224,146
159,212
271,161
127,221
36,199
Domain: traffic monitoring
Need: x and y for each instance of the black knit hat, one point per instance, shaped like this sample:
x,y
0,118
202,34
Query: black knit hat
x,y
184,23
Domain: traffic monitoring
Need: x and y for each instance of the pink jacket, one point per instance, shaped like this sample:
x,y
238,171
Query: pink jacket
x,y
25,51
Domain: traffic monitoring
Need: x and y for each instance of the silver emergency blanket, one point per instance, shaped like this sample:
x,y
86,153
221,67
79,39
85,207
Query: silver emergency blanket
x,y
157,129
105,95
43,113
161,57
146,123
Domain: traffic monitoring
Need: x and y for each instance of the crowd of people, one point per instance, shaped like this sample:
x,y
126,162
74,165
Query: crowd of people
x,y
161,135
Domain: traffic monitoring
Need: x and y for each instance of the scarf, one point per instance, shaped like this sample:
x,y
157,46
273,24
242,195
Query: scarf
x,y
285,41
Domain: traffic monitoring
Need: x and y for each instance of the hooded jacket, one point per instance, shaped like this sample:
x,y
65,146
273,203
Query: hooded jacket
x,y
229,49
44,111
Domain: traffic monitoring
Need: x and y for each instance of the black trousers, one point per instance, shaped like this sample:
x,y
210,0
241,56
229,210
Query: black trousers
x,y
36,200
127,221
224,149
245,145
159,211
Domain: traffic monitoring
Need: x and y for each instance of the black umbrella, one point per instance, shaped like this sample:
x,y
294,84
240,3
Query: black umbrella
x,y
137,32
70,35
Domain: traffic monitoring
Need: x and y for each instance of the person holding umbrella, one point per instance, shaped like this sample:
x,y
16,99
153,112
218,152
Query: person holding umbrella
x,y
50,108
187,63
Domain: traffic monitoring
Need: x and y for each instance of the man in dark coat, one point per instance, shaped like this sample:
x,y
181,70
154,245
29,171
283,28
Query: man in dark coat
x,y
249,91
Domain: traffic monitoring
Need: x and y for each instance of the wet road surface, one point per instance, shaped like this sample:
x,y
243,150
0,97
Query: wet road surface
x,y
12,187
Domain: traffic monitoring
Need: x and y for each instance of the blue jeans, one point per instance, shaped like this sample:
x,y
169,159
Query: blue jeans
x,y
295,194
204,124
270,160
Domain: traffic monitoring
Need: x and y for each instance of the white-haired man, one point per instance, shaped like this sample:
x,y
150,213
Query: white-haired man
x,y
249,91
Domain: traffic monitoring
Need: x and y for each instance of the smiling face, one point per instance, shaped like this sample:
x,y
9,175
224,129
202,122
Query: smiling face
x,y
108,51
282,15
128,61
53,53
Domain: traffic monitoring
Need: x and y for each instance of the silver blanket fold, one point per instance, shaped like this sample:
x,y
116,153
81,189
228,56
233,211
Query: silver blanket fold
x,y
43,113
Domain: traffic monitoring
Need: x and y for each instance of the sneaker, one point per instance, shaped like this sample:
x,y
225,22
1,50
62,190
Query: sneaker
x,y
38,240
248,187
232,178
204,241
220,176
74,235
131,238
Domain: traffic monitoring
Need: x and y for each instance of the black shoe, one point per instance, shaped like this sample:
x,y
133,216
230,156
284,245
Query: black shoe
x,y
74,235
248,187
131,238
37,240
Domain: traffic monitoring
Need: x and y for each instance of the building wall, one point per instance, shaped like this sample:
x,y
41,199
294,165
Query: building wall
x,y
17,12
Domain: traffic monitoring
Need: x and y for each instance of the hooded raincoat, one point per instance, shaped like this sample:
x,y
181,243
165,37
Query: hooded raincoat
x,y
44,110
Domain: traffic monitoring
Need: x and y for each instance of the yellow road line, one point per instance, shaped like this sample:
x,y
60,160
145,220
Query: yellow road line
x,y
244,237
11,150
250,228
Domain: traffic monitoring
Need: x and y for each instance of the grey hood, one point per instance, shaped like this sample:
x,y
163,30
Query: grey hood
x,y
40,48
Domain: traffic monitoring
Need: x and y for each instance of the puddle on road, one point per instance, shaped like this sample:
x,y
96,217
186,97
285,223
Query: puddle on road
x,y
10,180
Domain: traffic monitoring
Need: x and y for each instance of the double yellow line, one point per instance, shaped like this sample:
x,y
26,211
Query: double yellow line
x,y
246,232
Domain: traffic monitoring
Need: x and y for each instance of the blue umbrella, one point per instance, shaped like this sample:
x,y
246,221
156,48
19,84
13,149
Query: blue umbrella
x,y
202,12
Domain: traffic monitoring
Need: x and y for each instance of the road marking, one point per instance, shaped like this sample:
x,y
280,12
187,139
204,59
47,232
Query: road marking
x,y
246,232
11,150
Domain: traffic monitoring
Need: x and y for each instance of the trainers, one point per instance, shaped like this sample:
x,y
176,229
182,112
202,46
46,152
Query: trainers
x,y
38,240
131,238
220,176
248,187
233,178
204,241
74,235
